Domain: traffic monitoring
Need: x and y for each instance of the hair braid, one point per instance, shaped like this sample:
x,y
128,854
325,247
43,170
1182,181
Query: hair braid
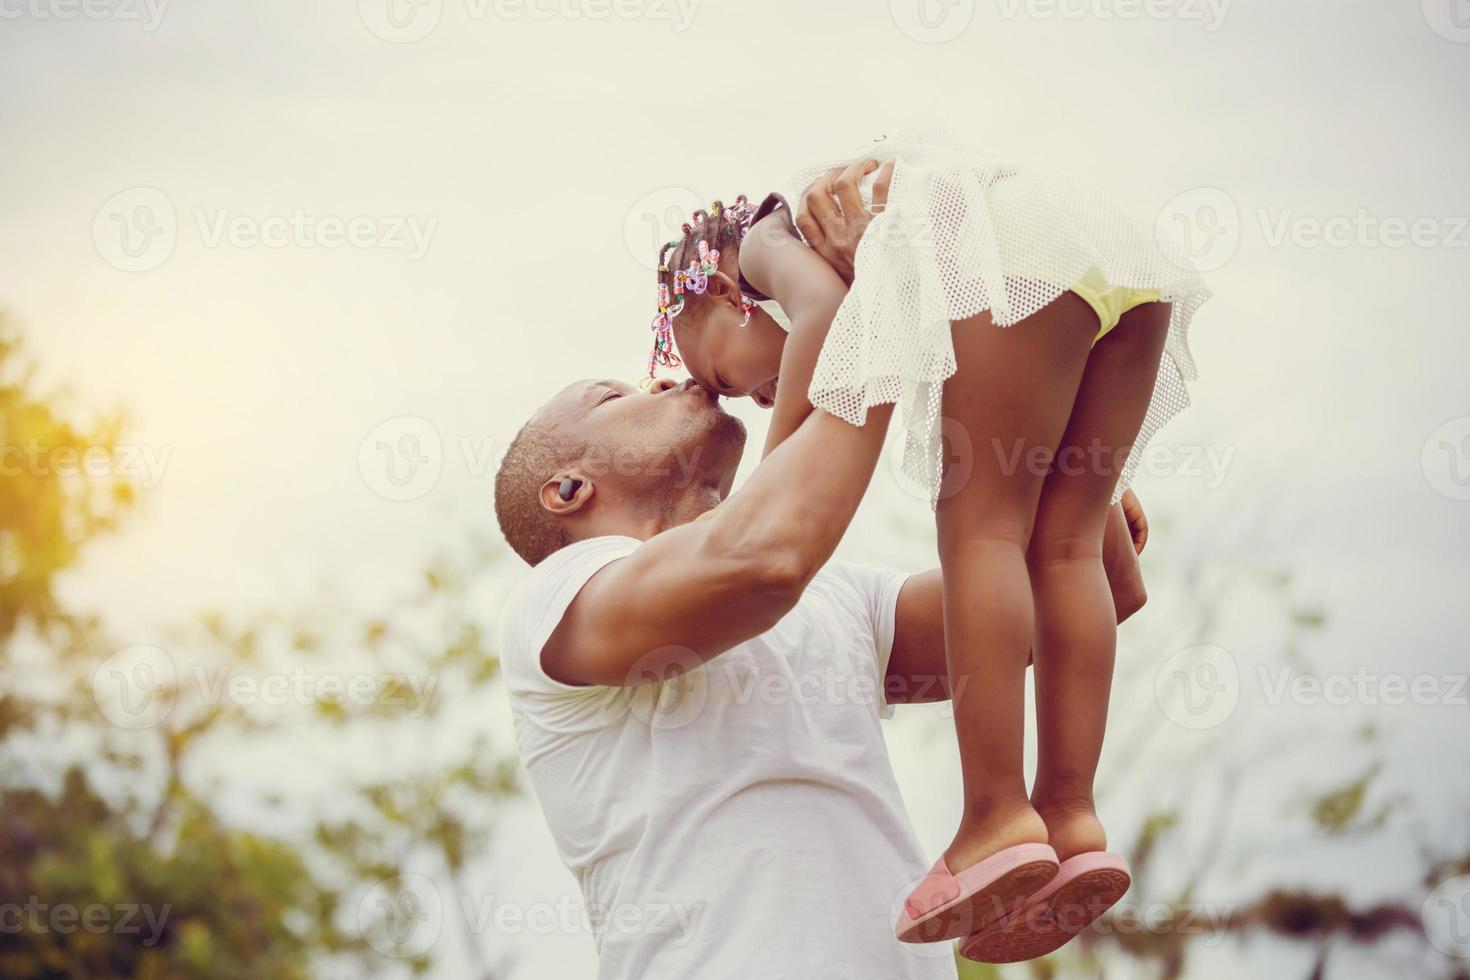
x,y
720,229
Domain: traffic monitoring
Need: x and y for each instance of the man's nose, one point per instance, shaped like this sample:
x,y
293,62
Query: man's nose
x,y
661,385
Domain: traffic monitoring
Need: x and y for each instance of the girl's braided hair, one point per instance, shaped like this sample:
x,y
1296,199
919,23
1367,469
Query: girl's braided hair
x,y
685,265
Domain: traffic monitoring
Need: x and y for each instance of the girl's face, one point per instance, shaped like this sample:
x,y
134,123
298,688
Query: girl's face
x,y
728,359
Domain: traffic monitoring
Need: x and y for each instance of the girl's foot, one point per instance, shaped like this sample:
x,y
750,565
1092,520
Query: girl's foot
x,y
998,860
992,830
1072,826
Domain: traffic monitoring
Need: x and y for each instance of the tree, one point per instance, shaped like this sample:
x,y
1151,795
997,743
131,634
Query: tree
x,y
114,860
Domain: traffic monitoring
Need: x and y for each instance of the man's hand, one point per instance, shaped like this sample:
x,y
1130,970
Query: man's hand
x,y
832,216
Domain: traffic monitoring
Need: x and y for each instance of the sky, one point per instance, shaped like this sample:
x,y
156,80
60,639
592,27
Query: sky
x,y
306,245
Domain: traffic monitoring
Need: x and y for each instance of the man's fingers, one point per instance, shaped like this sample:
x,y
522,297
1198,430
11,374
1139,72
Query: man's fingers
x,y
818,201
849,197
880,186
811,231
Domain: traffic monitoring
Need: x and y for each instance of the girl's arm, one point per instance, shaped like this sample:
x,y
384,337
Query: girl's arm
x,y
778,264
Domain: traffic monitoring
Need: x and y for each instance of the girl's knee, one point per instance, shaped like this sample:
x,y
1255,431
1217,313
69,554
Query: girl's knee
x,y
963,540
1072,546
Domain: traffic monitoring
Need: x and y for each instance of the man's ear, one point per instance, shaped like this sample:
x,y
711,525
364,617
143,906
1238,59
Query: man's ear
x,y
566,493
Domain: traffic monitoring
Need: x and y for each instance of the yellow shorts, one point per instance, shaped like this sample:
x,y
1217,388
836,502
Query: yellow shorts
x,y
1108,301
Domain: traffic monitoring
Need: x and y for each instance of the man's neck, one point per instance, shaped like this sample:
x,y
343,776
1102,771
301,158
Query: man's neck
x,y
643,517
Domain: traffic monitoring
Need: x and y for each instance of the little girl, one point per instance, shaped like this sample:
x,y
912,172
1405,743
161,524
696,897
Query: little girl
x,y
1040,331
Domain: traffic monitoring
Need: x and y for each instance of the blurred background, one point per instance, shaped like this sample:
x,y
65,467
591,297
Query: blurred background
x,y
279,282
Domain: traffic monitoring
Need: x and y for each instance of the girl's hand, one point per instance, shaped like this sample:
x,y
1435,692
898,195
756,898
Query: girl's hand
x,y
832,217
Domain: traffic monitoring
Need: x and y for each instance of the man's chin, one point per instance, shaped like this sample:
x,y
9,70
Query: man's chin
x,y
729,430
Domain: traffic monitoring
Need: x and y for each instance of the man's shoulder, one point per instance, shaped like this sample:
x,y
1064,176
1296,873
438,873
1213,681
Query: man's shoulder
x,y
538,602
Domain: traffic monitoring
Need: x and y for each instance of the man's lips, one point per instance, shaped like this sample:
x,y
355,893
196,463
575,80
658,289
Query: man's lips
x,y
690,386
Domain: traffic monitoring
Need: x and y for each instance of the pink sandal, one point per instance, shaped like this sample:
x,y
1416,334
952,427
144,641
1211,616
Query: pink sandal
x,y
948,906
1085,887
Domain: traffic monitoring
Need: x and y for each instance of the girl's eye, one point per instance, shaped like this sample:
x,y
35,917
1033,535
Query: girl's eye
x,y
724,385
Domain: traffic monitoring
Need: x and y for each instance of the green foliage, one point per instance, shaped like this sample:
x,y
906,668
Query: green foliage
x,y
115,863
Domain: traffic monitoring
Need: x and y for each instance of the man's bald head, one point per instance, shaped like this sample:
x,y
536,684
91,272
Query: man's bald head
x,y
635,456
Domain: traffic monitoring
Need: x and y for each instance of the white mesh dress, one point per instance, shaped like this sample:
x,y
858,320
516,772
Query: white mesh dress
x,y
964,232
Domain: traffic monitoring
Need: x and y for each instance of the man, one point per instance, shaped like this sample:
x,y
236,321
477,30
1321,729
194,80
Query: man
x,y
697,691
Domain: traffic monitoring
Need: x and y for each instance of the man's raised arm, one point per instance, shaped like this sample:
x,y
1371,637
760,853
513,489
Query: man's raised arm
x,y
694,591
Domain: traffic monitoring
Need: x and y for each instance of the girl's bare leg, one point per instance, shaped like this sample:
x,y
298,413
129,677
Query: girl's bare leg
x,y
1012,396
1076,627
